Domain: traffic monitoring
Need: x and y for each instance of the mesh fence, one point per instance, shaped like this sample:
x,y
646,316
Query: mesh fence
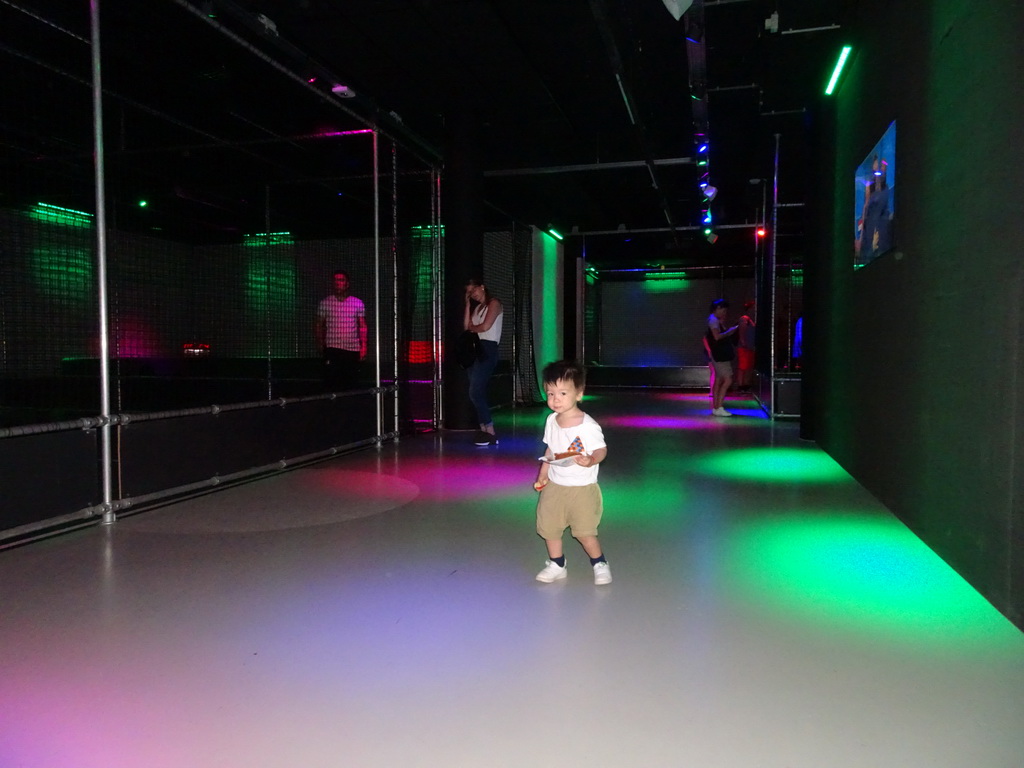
x,y
507,271
224,222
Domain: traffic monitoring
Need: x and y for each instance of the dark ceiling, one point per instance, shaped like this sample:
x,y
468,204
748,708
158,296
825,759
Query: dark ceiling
x,y
580,114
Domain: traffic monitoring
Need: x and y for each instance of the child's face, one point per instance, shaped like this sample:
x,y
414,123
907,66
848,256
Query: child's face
x,y
562,396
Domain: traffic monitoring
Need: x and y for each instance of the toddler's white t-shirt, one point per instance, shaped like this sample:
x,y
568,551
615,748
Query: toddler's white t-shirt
x,y
558,439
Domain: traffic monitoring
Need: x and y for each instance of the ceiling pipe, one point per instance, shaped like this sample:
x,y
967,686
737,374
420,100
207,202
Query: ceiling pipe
x,y
496,9
581,167
655,230
214,141
387,124
600,12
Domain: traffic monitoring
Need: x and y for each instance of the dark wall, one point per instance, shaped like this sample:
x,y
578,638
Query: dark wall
x,y
48,475
919,379
661,322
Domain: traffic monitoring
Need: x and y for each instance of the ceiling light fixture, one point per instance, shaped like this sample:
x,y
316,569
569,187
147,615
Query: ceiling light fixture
x,y
677,7
342,91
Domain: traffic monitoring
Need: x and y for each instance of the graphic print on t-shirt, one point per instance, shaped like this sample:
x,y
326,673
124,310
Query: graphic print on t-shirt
x,y
576,446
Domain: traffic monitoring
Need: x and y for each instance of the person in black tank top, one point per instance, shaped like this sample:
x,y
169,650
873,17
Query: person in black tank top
x,y
722,354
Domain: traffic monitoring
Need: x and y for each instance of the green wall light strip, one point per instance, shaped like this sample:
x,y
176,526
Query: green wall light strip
x,y
57,215
843,56
662,275
268,238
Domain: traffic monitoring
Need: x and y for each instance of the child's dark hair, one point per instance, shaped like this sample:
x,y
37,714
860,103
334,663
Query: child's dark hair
x,y
719,303
565,370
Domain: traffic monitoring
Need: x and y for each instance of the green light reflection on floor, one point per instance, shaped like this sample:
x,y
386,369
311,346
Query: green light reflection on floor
x,y
866,573
629,505
645,504
773,465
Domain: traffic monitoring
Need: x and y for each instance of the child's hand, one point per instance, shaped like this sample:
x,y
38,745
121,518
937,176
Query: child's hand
x,y
539,485
583,460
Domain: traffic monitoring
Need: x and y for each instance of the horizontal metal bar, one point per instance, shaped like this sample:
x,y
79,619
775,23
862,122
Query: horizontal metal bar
x,y
61,522
653,271
809,29
652,230
130,418
733,88
93,514
588,167
128,502
53,426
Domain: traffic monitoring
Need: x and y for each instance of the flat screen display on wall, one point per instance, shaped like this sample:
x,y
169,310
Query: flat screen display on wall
x,y
874,201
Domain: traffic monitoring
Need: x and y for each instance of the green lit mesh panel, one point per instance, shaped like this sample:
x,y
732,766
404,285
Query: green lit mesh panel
x,y
507,268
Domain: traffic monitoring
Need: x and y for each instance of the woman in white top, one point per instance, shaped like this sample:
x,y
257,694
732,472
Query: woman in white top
x,y
483,316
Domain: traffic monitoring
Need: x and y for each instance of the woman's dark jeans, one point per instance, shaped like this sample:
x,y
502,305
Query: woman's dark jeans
x,y
479,375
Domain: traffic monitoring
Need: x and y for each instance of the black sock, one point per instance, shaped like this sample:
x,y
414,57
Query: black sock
x,y
596,560
559,561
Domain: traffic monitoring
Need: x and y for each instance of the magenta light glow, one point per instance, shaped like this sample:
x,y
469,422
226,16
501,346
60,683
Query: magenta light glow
x,y
136,339
474,476
332,134
687,397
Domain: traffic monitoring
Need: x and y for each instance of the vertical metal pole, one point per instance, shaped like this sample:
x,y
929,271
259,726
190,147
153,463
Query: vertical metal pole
x,y
394,283
435,276
438,309
764,223
580,309
106,456
514,303
376,281
773,267
266,291
582,349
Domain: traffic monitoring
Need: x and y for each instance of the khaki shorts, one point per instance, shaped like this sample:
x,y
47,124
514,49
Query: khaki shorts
x,y
723,368
569,506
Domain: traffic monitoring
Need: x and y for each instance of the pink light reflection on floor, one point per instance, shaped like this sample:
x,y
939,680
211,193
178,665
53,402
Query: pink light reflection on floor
x,y
689,397
470,477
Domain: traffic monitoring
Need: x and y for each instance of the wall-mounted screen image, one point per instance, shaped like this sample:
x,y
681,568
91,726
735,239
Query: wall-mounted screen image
x,y
874,201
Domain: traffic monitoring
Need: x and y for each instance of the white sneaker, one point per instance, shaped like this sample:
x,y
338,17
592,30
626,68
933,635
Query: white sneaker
x,y
721,412
552,572
602,574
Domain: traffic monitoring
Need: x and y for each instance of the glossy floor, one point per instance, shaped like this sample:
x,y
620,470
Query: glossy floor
x,y
380,610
